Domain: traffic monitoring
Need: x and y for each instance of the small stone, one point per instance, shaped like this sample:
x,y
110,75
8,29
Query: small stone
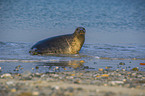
x,y
36,67
35,93
56,68
121,63
108,67
133,74
55,75
135,69
97,76
6,75
105,84
22,68
116,82
105,75
55,87
13,90
100,69
64,68
10,83
72,74
77,81
82,61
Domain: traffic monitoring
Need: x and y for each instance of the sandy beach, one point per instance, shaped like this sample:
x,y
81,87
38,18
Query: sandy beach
x,y
76,83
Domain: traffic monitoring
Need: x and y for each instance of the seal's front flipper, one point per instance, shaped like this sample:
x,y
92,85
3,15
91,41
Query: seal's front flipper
x,y
34,51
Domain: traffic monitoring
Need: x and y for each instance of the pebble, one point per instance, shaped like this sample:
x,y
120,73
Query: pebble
x,y
121,63
105,75
13,90
10,83
116,82
37,85
77,81
35,93
6,75
135,69
100,69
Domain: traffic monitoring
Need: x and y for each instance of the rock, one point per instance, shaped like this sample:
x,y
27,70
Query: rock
x,y
116,82
104,75
10,83
13,90
100,69
77,81
35,93
6,75
135,69
121,63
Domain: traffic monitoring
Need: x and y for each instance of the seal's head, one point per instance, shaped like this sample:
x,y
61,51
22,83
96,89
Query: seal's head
x,y
79,37
80,31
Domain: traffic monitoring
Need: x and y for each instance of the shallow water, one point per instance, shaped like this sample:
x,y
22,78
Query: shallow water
x,y
115,33
91,57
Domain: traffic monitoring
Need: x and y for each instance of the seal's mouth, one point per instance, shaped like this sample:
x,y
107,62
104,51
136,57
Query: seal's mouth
x,y
82,32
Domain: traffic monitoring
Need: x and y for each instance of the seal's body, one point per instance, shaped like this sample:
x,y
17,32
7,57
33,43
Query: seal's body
x,y
64,44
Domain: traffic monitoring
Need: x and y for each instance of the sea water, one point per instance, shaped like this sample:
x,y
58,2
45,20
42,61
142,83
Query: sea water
x,y
114,34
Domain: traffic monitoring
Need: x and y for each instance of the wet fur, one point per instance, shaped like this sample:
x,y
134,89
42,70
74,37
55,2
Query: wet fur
x,y
64,44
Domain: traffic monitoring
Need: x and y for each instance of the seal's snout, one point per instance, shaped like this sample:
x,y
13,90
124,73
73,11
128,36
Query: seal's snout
x,y
80,30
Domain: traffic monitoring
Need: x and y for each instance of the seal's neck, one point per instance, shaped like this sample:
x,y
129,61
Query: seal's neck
x,y
80,39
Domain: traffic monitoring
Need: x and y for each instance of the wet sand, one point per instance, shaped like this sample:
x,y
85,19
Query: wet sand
x,y
75,83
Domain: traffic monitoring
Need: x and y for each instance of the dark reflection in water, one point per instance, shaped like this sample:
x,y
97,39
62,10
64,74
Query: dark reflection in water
x,y
62,65
41,66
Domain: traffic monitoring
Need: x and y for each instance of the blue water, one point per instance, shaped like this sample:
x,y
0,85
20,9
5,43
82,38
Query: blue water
x,y
115,32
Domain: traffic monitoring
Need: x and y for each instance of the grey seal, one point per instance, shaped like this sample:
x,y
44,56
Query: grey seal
x,y
63,44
